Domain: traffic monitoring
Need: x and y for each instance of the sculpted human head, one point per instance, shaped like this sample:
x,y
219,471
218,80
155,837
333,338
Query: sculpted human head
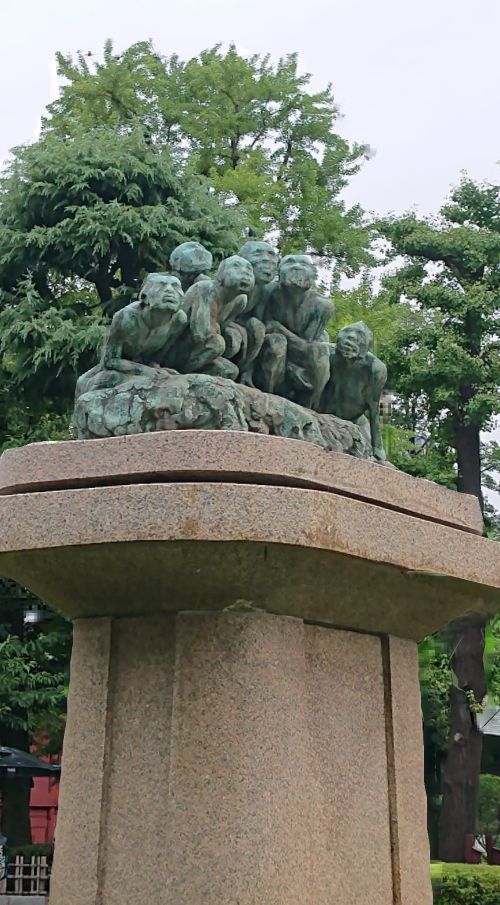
x,y
161,292
263,259
297,270
189,260
354,341
236,273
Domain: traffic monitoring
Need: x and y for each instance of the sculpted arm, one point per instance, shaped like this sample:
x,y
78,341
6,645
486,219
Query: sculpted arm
x,y
314,329
112,359
320,316
232,310
296,344
379,373
113,347
175,328
273,326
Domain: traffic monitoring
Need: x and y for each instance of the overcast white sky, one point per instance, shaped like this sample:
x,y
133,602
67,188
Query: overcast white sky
x,y
418,80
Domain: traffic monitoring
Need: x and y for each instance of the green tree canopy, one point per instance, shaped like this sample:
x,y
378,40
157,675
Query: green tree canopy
x,y
104,208
451,276
253,127
488,823
82,220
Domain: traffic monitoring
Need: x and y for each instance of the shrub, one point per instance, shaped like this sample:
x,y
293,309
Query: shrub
x,y
28,851
465,884
488,820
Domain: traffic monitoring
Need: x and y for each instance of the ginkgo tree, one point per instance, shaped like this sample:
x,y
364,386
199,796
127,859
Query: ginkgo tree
x,y
252,126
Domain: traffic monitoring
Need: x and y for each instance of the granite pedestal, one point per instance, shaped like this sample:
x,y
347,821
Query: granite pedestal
x,y
244,721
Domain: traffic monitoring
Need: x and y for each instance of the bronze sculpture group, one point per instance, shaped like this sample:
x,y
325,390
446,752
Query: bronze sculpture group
x,y
246,349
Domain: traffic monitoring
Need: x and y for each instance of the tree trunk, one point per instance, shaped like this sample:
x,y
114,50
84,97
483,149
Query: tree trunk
x,y
102,280
460,785
16,825
469,460
432,778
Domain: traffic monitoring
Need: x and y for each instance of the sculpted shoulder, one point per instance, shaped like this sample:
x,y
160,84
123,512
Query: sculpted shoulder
x,y
203,288
378,369
127,316
325,306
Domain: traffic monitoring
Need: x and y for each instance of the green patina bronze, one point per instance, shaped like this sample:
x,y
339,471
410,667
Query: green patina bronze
x,y
295,354
190,262
211,338
264,262
244,350
356,381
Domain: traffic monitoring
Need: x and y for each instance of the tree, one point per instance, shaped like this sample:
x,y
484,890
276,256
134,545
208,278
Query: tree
x,y
420,446
436,673
451,277
103,209
250,126
460,777
34,674
435,679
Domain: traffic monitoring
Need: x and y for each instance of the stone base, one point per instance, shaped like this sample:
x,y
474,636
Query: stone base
x,y
268,749
241,759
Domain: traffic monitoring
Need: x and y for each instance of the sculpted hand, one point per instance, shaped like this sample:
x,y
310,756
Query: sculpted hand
x,y
275,327
177,325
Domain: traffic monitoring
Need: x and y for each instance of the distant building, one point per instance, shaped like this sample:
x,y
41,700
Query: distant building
x,y
489,720
489,723
44,802
43,809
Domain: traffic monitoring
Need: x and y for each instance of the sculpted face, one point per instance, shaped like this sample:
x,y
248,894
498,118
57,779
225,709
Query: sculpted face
x,y
236,273
262,257
161,292
297,270
354,341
